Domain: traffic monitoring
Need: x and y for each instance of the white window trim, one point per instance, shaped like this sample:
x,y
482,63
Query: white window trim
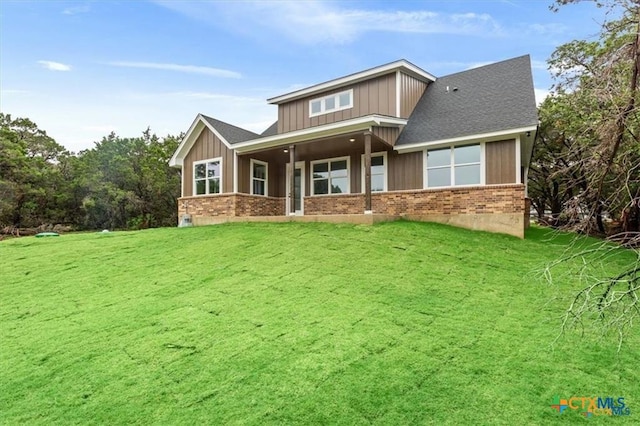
x,y
382,154
452,167
266,180
336,97
193,176
329,160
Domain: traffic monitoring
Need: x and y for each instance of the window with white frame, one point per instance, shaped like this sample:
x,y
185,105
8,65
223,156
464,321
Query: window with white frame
x,y
259,177
207,176
330,176
453,166
378,172
331,103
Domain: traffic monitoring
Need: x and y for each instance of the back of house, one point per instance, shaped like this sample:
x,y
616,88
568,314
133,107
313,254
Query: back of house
x,y
388,142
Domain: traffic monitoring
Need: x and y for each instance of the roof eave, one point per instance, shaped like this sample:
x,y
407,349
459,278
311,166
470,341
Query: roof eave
x,y
327,130
177,159
401,65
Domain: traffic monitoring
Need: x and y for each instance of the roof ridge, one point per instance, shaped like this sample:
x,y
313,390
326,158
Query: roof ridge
x,y
491,64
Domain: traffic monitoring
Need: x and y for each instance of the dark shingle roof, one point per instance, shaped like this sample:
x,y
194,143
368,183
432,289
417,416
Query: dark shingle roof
x,y
491,98
233,134
271,130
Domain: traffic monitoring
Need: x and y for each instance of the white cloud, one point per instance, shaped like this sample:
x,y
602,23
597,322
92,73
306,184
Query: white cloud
x,y
74,10
541,95
547,28
539,65
55,66
312,22
193,69
14,92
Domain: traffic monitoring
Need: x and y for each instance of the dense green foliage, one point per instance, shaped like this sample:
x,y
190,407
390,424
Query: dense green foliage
x,y
586,162
119,183
397,323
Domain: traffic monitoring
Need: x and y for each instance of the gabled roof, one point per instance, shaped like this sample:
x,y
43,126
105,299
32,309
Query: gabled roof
x,y
489,99
227,133
401,65
232,134
271,130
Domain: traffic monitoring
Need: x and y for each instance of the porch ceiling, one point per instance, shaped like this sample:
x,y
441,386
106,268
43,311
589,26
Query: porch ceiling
x,y
333,146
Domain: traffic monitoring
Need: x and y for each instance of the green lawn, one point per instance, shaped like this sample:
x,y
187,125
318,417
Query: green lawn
x,y
397,323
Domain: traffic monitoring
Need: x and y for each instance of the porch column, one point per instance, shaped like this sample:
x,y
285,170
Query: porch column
x,y
292,183
367,173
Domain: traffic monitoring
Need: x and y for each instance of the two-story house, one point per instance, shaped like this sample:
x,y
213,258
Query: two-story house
x,y
388,142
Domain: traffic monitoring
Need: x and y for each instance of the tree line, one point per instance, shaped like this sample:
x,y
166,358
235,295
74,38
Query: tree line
x,y
119,183
585,172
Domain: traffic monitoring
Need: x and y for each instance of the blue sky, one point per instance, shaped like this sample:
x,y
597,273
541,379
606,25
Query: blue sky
x,y
84,68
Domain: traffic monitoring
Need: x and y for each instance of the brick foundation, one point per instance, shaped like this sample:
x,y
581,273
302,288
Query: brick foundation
x,y
203,208
334,204
496,208
455,201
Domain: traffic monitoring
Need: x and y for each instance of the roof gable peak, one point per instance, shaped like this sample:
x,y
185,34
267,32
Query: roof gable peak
x,y
399,65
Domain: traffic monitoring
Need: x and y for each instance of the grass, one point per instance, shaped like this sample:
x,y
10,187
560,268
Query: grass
x,y
397,323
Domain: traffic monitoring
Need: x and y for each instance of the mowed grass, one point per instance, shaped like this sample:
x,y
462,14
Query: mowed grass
x,y
397,323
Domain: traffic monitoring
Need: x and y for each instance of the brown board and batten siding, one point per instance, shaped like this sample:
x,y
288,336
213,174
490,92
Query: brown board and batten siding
x,y
411,90
206,147
405,171
375,96
501,162
275,187
387,134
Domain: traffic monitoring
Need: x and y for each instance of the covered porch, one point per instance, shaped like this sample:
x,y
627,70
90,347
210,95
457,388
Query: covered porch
x,y
332,175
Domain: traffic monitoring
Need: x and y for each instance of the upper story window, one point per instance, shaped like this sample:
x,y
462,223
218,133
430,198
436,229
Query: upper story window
x,y
207,176
331,103
453,166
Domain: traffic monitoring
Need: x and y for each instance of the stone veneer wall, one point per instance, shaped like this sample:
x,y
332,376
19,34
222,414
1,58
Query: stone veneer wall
x,y
334,204
452,201
229,205
495,208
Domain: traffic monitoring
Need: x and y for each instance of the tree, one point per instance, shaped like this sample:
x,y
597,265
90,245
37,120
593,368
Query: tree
x,y
595,97
30,178
128,182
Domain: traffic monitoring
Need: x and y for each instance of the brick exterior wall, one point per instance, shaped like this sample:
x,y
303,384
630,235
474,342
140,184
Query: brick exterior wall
x,y
495,208
228,205
455,201
257,205
471,200
334,204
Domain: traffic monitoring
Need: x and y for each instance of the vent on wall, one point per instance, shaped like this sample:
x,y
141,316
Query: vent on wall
x,y
185,220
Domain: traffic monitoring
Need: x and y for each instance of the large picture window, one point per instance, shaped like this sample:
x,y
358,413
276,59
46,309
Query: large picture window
x,y
330,176
453,166
259,177
378,172
207,177
331,103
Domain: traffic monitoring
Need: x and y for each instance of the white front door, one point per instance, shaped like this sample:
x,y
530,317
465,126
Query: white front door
x,y
299,187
